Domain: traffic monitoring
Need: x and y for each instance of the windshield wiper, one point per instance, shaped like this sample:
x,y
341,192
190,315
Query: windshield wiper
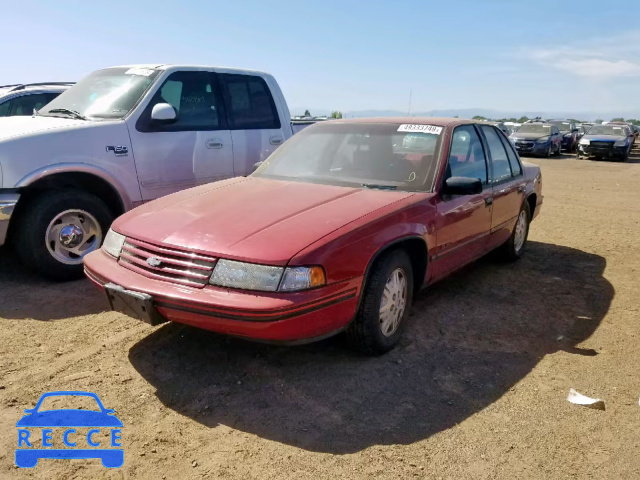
x,y
73,113
381,187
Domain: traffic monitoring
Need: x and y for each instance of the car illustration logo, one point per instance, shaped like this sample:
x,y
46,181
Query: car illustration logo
x,y
82,433
154,262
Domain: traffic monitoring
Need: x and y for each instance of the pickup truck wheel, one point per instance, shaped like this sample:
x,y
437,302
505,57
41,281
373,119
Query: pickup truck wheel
x,y
385,305
58,228
514,247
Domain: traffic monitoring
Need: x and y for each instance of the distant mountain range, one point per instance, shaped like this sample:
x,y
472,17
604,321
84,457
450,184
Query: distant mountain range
x,y
471,112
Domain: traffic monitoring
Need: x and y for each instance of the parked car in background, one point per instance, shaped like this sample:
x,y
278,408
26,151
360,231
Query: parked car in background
x,y
581,131
341,226
123,136
569,132
23,99
501,126
609,142
630,131
537,138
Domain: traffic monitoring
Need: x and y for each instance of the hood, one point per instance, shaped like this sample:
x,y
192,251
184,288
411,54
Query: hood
x,y
527,136
604,138
11,127
251,219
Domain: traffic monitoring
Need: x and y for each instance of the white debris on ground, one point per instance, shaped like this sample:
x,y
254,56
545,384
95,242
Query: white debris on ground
x,y
579,399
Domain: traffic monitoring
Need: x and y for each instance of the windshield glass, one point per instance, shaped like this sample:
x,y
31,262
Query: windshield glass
x,y
534,128
562,126
109,93
351,154
607,130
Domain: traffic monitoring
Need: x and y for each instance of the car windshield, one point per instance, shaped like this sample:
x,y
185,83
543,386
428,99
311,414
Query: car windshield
x,y
562,126
104,94
607,130
388,156
68,402
534,128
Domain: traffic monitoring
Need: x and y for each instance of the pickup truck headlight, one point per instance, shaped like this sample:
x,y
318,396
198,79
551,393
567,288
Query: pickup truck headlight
x,y
251,276
584,141
620,143
113,243
542,140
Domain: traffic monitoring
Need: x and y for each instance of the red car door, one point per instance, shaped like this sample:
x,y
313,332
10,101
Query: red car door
x,y
463,221
508,185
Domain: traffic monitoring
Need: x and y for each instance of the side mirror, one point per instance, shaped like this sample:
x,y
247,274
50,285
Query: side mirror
x,y
462,186
163,112
575,130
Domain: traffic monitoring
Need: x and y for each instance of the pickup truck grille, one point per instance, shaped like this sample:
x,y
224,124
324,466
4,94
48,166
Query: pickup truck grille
x,y
167,264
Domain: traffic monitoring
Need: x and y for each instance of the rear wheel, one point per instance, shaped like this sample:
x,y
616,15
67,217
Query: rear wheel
x,y
385,305
58,228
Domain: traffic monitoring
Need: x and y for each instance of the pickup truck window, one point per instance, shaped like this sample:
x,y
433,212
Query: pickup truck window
x,y
194,96
249,103
108,93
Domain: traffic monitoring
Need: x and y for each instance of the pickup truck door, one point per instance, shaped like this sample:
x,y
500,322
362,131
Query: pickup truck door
x,y
256,126
194,149
508,183
463,221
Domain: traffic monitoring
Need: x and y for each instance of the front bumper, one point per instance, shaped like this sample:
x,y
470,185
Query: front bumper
x,y
266,316
8,202
606,152
531,148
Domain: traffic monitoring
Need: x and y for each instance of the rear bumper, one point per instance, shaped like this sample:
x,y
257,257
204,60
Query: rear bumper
x,y
8,202
275,317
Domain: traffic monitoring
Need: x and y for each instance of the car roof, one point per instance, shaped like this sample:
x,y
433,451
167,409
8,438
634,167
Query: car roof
x,y
438,121
32,87
175,66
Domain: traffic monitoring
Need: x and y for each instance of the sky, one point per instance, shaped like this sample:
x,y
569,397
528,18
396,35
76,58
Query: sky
x,y
347,55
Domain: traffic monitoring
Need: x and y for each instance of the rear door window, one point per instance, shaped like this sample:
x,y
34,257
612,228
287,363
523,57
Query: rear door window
x,y
5,108
249,103
516,168
499,159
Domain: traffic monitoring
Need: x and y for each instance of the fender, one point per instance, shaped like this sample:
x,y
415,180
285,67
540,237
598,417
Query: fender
x,y
77,168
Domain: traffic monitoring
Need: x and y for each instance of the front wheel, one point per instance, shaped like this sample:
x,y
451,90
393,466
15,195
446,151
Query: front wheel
x,y
58,228
514,247
385,305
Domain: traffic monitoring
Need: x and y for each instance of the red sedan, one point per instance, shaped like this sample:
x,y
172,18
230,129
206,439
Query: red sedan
x,y
336,231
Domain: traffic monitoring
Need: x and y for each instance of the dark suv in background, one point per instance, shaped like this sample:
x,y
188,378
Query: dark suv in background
x,y
569,132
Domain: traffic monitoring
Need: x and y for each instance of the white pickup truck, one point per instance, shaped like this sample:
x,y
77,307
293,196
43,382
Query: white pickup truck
x,y
123,136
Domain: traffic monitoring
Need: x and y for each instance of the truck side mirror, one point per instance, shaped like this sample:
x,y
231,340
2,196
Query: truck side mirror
x,y
163,113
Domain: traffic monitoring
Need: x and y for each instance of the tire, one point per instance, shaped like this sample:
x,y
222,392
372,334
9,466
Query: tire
x,y
36,222
513,248
365,333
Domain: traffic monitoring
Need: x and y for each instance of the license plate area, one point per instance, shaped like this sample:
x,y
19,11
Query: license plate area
x,y
135,304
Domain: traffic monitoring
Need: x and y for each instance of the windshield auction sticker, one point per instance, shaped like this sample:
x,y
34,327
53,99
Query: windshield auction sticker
x,y
67,433
420,128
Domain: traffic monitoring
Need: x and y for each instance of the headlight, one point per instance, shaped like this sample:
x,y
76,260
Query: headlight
x,y
251,276
584,141
542,140
113,243
620,143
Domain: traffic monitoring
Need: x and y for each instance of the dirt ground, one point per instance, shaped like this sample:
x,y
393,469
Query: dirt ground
x,y
476,390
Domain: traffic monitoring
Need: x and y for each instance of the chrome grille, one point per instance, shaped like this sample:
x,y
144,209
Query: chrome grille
x,y
168,264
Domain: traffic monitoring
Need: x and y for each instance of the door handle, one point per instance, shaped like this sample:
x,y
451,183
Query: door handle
x,y
275,140
520,188
488,201
214,143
